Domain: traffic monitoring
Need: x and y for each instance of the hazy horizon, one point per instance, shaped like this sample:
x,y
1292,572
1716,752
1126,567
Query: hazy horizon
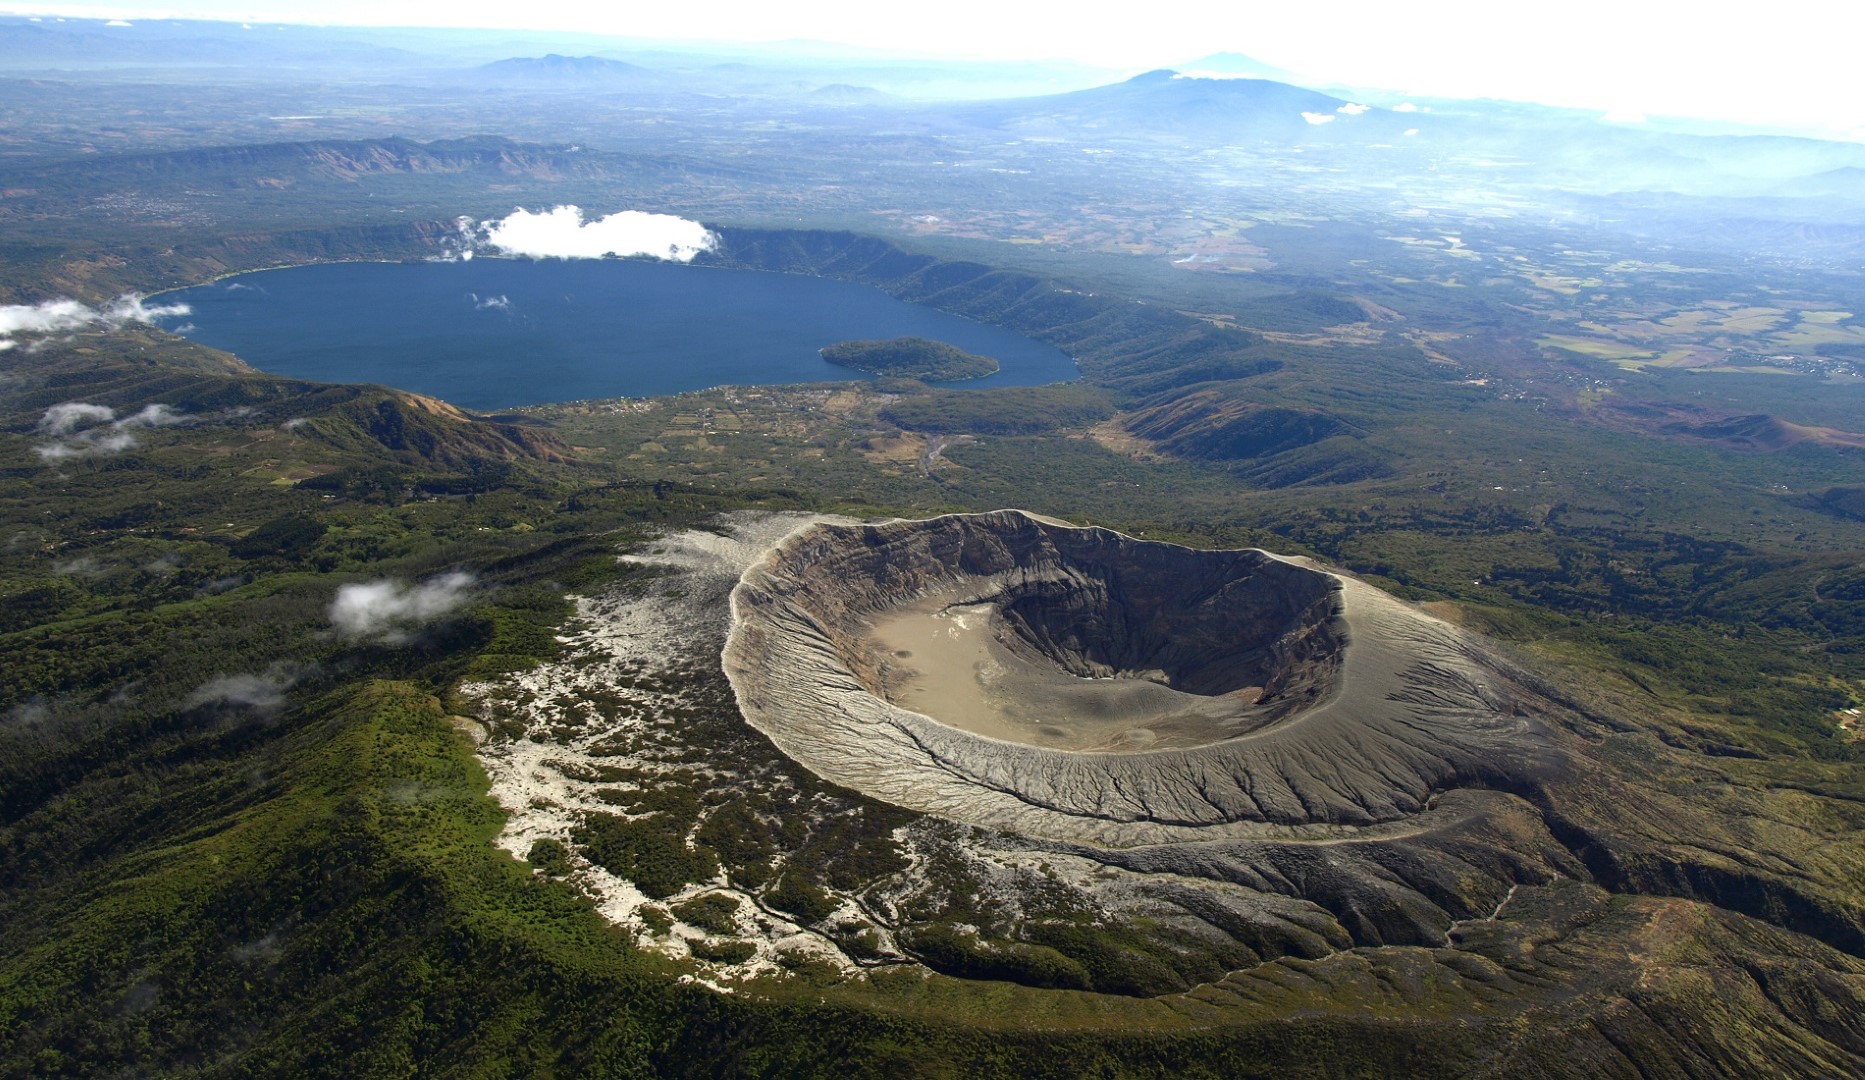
x,y
1623,61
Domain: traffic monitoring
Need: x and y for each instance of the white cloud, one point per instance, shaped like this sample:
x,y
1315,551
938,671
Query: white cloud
x,y
387,610
130,308
1623,116
1353,108
262,691
157,415
64,316
29,713
561,233
70,416
119,22
86,444
1318,118
49,317
1405,106
220,585
81,429
1411,131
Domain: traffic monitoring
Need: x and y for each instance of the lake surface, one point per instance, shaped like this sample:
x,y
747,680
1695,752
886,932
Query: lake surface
x,y
494,333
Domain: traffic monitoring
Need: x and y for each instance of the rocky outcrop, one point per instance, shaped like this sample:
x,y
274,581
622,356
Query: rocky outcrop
x,y
1348,712
434,431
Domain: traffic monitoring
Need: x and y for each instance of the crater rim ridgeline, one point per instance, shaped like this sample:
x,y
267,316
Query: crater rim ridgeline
x,y
1017,672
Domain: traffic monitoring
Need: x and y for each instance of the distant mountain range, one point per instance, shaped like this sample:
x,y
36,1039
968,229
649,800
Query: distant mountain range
x,y
1170,102
1563,149
555,70
1238,65
91,43
1223,99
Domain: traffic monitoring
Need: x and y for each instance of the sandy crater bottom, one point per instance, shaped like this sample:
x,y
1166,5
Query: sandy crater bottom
x,y
947,662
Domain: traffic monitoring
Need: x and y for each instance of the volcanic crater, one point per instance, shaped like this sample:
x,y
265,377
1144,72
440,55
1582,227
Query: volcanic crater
x,y
1016,672
1115,649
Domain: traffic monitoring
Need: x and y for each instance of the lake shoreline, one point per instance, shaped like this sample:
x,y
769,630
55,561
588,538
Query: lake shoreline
x,y
577,329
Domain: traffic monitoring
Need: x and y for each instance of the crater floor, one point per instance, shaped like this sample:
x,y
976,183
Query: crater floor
x,y
947,660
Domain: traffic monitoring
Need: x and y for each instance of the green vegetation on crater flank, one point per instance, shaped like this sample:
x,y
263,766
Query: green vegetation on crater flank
x,y
911,358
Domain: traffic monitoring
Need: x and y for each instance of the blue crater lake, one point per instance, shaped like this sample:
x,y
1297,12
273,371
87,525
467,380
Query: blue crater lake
x,y
494,333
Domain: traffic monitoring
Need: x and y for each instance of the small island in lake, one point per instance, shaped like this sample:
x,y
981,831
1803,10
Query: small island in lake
x,y
911,358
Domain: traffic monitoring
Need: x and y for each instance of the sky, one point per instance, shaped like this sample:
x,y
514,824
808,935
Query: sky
x,y
1781,64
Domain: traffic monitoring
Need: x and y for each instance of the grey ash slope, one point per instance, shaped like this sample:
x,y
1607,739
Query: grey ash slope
x,y
1371,708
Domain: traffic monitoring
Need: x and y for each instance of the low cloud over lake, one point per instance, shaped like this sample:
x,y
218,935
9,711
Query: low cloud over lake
x,y
562,233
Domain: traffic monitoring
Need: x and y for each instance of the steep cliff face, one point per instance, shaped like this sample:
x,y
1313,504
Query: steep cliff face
x,y
1055,607
436,431
1306,704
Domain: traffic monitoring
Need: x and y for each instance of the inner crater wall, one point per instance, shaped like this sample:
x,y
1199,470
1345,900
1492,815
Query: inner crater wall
x,y
1088,603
